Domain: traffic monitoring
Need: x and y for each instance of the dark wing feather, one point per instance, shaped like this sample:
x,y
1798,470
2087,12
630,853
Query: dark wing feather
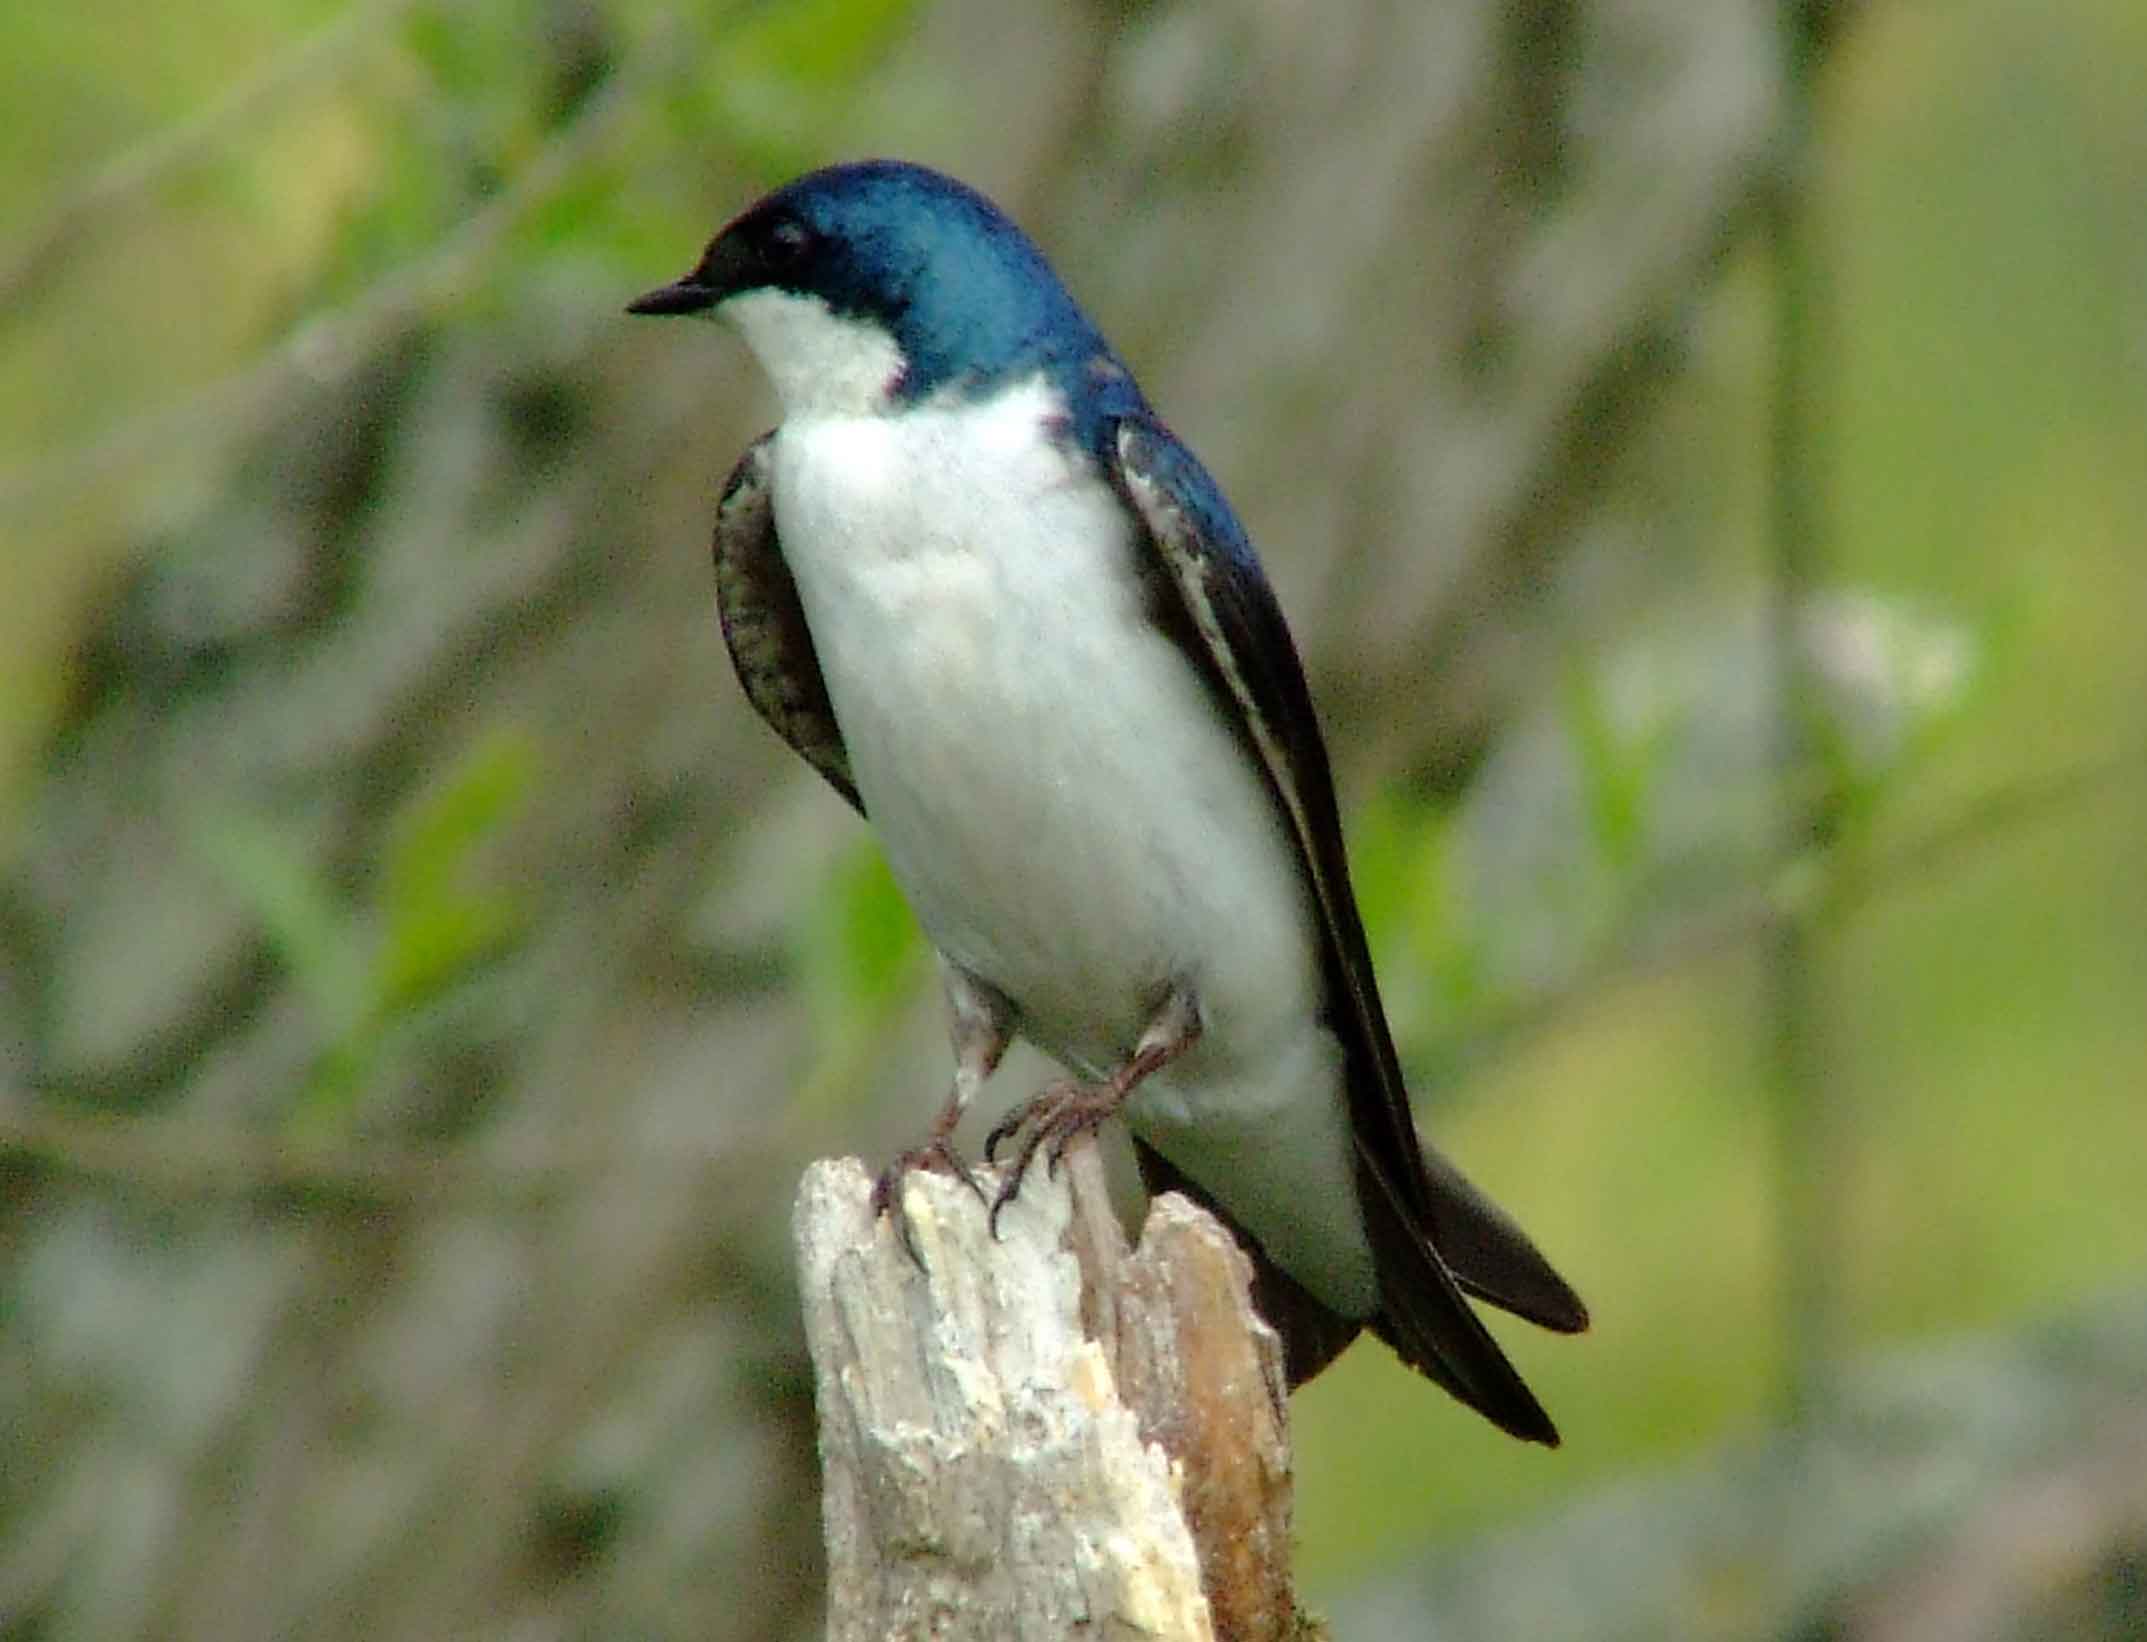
x,y
764,626
1431,1232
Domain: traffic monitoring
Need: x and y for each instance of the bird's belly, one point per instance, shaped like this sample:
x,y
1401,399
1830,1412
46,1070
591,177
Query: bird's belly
x,y
1072,819
1065,810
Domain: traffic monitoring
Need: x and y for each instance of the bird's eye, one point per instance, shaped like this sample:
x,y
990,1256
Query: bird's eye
x,y
788,241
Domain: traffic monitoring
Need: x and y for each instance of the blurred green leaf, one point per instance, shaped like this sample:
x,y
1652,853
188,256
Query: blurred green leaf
x,y
435,926
309,932
1381,850
433,843
1617,772
859,941
318,940
1440,924
781,76
431,927
1889,678
813,45
1430,960
858,954
595,210
436,946
461,47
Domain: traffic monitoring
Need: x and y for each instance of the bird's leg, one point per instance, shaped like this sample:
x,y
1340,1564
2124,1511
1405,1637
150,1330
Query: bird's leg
x,y
1062,1112
980,1021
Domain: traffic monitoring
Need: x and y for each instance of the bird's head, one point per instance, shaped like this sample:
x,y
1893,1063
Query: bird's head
x,y
872,285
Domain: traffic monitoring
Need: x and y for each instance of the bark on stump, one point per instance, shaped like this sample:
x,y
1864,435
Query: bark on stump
x,y
1046,1435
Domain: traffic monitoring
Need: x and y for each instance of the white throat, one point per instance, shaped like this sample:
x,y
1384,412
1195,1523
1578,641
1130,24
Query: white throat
x,y
822,364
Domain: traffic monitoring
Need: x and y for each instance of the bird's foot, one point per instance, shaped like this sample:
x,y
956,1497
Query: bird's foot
x,y
938,1156
1049,1122
1063,1112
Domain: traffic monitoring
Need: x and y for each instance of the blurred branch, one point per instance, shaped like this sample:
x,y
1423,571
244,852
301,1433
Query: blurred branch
x,y
1808,1119
1991,816
182,1157
80,212
1975,1459
2034,1549
326,346
1042,1433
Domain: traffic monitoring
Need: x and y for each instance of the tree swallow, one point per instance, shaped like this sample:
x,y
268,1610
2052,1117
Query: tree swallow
x,y
982,589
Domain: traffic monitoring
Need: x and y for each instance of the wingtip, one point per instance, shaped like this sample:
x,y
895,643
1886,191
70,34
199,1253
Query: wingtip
x,y
1425,1317
1491,1257
1561,1311
1516,1412
1458,1355
1541,1430
1569,1315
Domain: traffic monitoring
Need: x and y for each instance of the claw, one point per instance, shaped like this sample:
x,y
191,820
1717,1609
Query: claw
x,y
1062,1112
1002,1129
1006,1196
939,1156
1049,1123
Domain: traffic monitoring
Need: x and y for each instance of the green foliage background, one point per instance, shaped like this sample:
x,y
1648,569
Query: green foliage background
x,y
192,198
1984,1015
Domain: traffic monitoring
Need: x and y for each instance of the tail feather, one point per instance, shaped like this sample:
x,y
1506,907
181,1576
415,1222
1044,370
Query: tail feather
x,y
1491,1257
1425,1316
1430,1324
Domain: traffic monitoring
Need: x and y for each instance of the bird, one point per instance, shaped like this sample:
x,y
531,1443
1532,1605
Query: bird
x,y
974,580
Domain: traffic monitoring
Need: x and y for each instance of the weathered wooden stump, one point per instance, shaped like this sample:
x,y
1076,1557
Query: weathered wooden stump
x,y
1047,1434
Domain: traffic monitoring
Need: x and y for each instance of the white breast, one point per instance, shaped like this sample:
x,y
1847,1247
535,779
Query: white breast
x,y
1058,797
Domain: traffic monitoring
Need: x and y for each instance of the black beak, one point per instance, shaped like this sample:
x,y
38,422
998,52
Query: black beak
x,y
728,266
685,296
